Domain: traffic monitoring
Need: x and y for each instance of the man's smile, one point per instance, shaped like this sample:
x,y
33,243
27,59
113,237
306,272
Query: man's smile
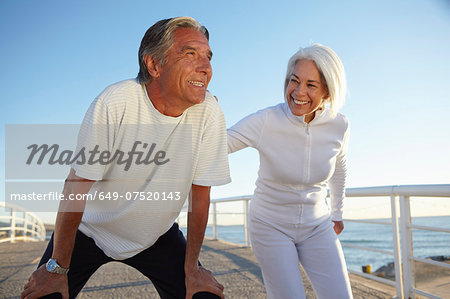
x,y
197,83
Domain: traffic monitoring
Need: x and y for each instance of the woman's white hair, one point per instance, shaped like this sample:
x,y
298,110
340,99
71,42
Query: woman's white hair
x,y
331,72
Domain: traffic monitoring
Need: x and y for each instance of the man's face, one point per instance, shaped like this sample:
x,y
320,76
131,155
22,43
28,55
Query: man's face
x,y
185,76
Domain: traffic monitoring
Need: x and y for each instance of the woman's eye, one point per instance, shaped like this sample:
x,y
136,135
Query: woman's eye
x,y
312,85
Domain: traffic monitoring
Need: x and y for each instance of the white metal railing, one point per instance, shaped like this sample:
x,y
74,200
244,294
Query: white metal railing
x,y
213,210
400,224
23,225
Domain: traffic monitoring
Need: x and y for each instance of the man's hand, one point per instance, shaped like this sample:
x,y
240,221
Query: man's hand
x,y
42,283
198,279
202,280
338,226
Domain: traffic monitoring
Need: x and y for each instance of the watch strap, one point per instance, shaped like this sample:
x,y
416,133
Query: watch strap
x,y
60,270
52,266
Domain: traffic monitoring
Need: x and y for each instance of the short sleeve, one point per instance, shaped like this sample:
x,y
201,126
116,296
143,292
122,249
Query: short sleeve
x,y
246,132
96,135
212,166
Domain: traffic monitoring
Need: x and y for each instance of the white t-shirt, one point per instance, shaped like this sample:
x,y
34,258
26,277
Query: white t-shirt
x,y
297,160
137,199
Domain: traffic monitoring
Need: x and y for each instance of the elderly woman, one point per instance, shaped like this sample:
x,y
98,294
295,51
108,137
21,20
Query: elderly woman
x,y
302,144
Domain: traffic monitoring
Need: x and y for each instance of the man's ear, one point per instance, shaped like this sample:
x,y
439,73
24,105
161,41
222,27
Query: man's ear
x,y
152,67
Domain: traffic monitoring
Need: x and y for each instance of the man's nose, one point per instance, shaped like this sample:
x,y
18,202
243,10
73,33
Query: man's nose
x,y
204,66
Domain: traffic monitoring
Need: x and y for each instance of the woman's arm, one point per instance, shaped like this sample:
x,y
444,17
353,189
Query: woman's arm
x,y
337,184
246,132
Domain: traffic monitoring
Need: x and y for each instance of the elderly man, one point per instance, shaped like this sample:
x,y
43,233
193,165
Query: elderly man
x,y
173,132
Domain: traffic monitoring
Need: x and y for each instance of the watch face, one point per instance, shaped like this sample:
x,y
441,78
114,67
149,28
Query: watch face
x,y
51,265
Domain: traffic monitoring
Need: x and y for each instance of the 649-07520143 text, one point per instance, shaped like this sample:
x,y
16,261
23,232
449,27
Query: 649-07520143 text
x,y
139,195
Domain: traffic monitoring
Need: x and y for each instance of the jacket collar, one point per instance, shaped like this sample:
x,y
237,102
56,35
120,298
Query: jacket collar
x,y
320,117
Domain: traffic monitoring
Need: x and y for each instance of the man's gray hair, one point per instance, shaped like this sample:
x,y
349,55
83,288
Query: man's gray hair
x,y
331,72
159,38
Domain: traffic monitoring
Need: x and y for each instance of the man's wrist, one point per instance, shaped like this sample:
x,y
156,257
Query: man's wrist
x,y
191,268
52,266
62,259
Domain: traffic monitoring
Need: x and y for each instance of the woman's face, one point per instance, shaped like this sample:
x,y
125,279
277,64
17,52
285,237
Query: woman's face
x,y
305,91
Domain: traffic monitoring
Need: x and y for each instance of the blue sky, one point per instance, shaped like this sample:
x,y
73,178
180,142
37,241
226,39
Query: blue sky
x,y
56,56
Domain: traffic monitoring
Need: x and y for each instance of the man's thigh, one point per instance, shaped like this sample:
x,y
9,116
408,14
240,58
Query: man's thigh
x,y
86,259
163,264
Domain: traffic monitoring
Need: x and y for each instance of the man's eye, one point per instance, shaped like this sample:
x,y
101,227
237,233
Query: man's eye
x,y
312,85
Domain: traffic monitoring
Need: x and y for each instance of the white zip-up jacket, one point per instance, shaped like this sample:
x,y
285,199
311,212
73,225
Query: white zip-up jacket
x,y
297,162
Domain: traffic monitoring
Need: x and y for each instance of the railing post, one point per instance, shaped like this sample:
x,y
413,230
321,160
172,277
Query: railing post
x,y
42,230
246,209
406,246
12,230
214,221
35,232
397,252
25,226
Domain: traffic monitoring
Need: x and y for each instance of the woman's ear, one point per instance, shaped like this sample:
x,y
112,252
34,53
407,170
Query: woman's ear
x,y
325,99
153,68
326,96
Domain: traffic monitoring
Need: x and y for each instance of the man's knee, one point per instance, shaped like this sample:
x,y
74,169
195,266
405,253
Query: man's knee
x,y
52,296
205,295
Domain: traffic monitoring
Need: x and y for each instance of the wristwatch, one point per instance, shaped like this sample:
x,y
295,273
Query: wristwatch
x,y
53,267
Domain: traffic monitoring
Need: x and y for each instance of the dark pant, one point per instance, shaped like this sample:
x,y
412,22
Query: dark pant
x,y
162,263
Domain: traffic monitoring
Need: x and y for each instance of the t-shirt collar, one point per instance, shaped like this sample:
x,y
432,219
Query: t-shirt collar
x,y
161,116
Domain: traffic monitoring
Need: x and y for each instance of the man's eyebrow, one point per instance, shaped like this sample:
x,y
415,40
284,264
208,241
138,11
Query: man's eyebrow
x,y
187,48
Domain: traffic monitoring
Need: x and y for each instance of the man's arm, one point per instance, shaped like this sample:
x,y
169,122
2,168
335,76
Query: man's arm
x,y
70,212
198,278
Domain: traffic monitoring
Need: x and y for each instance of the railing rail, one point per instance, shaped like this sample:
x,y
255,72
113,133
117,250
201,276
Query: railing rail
x,y
400,223
27,227
246,202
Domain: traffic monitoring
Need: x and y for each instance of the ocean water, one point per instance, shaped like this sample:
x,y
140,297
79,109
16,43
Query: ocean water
x,y
425,243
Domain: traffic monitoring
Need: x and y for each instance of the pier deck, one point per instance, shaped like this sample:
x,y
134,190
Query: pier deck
x,y
234,266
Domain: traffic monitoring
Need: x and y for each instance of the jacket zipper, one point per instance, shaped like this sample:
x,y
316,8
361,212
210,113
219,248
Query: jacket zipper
x,y
306,173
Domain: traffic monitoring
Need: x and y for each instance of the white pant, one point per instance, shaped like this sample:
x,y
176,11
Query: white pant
x,y
279,248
